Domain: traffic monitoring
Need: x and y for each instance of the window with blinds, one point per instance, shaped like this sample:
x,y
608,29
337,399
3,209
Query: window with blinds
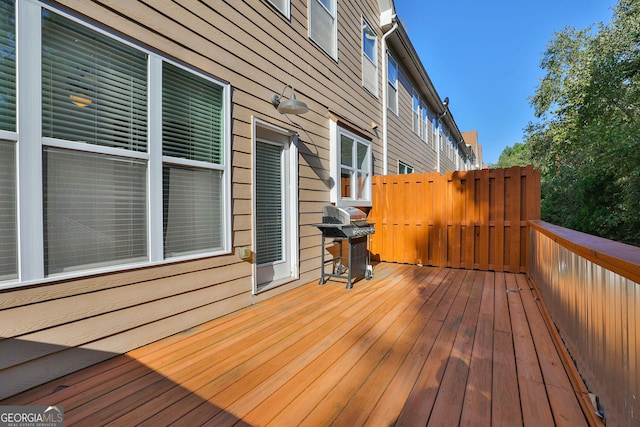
x,y
94,92
269,203
323,25
7,66
8,177
192,131
113,175
95,210
8,237
94,88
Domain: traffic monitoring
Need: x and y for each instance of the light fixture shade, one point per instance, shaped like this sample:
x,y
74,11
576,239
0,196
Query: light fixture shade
x,y
291,105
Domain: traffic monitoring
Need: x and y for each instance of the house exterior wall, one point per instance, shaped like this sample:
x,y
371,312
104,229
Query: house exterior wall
x,y
404,144
55,325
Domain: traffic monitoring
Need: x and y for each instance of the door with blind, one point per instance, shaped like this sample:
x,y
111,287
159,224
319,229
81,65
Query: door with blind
x,y
275,208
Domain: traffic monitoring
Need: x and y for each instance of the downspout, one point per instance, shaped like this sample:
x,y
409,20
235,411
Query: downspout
x,y
385,96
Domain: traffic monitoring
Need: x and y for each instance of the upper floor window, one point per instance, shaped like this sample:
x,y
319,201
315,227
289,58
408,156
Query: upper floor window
x,y
392,95
369,58
323,25
416,113
404,168
424,123
351,168
283,6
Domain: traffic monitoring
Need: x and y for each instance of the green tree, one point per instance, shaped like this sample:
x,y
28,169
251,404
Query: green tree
x,y
587,137
518,155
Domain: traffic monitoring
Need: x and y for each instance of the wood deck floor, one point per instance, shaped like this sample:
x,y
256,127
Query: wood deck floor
x,y
413,346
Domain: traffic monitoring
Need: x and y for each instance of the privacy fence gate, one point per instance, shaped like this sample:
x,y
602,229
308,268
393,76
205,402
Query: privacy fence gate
x,y
472,219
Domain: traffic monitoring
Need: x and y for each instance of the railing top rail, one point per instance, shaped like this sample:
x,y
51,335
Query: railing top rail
x,y
618,257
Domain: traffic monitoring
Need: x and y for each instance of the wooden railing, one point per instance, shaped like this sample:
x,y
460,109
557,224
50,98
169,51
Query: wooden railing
x,y
474,219
591,287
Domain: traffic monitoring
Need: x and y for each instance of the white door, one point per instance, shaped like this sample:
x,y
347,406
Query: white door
x,y
274,208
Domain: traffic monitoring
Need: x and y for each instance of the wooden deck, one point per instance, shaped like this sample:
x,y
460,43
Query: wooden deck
x,y
413,346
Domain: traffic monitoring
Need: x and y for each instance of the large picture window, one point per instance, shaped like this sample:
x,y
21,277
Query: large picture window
x,y
127,153
323,25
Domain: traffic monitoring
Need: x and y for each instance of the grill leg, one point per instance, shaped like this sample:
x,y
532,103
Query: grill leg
x,y
322,281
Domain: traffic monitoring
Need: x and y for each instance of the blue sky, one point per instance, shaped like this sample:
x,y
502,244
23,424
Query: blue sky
x,y
485,56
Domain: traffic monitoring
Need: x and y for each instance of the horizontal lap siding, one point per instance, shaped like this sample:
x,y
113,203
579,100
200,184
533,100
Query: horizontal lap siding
x,y
52,329
472,219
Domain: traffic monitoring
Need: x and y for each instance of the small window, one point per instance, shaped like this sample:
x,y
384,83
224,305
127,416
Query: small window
x,y
323,25
282,5
351,163
369,58
392,95
404,168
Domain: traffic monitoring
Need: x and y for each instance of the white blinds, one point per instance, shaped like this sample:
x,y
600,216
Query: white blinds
x,y
192,129
191,116
192,210
269,205
94,88
322,24
8,247
7,66
95,210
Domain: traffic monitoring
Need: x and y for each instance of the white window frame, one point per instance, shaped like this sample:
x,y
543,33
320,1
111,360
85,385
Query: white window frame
x,y
30,143
332,50
424,122
284,6
415,115
392,84
369,64
404,168
337,132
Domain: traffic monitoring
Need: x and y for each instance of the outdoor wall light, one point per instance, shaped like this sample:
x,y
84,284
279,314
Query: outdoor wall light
x,y
291,105
445,104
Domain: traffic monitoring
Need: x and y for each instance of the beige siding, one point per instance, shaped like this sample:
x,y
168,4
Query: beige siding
x,y
53,328
404,144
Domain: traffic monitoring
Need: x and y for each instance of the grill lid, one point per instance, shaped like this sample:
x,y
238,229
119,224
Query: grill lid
x,y
347,215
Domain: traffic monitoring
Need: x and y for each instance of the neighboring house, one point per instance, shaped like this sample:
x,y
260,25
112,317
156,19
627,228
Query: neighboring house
x,y
148,184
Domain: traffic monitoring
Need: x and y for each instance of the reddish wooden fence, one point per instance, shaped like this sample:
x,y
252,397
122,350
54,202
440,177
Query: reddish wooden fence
x,y
474,219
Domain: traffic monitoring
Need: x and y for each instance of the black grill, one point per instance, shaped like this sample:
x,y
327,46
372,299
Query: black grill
x,y
350,226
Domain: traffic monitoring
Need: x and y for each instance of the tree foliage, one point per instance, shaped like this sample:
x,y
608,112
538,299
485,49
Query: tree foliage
x,y
518,155
587,136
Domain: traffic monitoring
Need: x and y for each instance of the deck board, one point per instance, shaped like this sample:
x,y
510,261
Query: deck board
x,y
413,346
